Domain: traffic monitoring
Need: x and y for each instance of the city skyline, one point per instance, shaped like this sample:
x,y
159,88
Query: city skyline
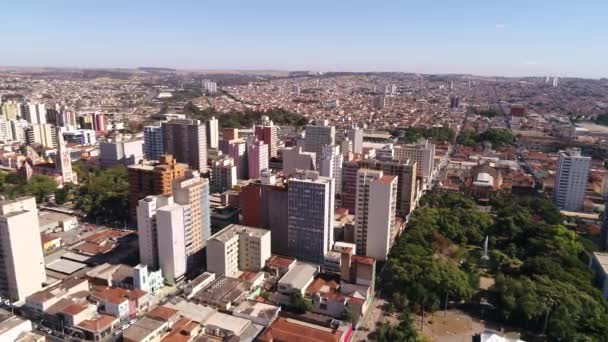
x,y
503,39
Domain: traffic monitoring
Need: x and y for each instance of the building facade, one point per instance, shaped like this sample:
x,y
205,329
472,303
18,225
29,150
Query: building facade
x,y
153,142
186,141
571,180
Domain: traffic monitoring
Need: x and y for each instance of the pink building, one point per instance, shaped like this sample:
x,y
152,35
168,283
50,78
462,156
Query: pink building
x,y
257,155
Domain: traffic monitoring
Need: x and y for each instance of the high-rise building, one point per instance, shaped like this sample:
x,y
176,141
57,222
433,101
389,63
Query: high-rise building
x,y
6,131
209,87
42,134
153,142
237,150
355,135
423,152
294,159
192,192
213,133
318,136
571,180
19,129
172,222
238,248
35,113
63,162
223,174
310,216
21,260
406,183
376,207
100,123
269,135
257,158
186,141
147,229
263,204
10,110
153,178
330,165
229,134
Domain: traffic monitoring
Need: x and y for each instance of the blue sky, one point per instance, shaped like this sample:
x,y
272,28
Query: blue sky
x,y
491,37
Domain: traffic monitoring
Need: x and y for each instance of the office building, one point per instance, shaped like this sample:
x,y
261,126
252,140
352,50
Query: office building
x,y
310,216
192,192
295,159
153,178
186,141
423,153
318,136
153,142
406,182
21,260
80,137
269,135
41,134
257,158
238,248
330,165
237,150
376,210
213,133
121,153
223,174
571,180
356,136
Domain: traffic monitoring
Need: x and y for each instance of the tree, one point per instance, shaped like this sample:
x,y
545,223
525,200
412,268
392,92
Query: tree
x,y
40,187
404,331
299,303
104,195
351,316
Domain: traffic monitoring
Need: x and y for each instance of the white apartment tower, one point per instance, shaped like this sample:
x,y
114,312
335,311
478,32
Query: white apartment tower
x,y
35,113
318,136
63,162
330,165
571,180
223,174
192,192
376,207
238,248
382,209
147,229
171,221
213,133
21,260
310,216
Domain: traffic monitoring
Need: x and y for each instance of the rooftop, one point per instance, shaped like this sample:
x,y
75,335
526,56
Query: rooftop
x,y
235,229
287,329
299,275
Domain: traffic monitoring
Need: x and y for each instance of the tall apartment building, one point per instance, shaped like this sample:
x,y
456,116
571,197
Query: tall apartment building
x,y
21,260
330,165
35,113
263,204
269,135
192,192
257,159
172,222
213,133
223,174
406,182
147,229
63,162
186,141
10,110
153,178
209,87
310,216
238,248
43,134
423,152
295,159
237,150
318,136
376,210
153,142
571,180
6,131
356,136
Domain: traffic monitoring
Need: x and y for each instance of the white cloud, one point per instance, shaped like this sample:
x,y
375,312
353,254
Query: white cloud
x,y
500,26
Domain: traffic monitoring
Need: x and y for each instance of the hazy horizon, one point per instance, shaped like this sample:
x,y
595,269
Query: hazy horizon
x,y
515,39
